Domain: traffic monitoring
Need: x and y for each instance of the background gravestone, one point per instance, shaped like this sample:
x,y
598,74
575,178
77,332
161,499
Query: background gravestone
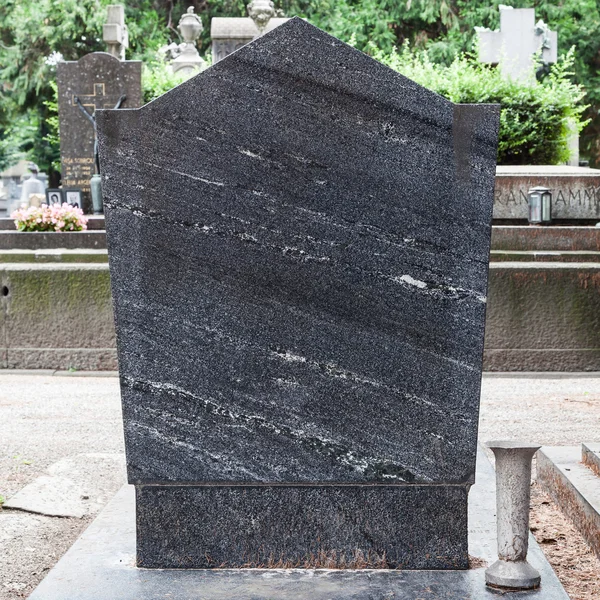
x,y
299,242
99,80
515,45
229,34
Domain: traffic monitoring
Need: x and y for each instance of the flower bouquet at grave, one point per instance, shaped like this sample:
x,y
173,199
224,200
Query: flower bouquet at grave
x,y
54,217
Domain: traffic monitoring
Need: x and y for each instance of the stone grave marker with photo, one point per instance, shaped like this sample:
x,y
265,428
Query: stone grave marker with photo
x,y
299,241
97,80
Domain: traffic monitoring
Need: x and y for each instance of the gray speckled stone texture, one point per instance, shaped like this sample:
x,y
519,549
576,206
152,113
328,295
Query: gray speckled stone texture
x,y
298,241
419,527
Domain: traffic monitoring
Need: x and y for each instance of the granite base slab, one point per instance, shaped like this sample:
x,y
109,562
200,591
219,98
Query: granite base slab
x,y
409,527
101,565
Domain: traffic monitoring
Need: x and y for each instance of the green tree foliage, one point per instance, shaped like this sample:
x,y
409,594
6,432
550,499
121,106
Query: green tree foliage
x,y
33,33
445,28
533,118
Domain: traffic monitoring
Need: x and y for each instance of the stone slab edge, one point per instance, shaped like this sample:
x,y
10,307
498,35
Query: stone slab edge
x,y
590,456
574,487
103,559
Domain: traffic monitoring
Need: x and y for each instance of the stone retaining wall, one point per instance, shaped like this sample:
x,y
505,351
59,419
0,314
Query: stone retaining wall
x,y
56,316
540,317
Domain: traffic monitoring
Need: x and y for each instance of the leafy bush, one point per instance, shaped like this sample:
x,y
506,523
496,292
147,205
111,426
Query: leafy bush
x,y
536,119
56,217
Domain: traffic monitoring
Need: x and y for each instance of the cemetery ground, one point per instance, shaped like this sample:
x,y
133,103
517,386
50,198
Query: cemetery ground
x,y
54,423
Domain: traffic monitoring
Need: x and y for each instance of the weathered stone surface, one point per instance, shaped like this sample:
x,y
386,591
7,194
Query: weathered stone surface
x,y
99,80
56,316
590,456
554,238
38,240
574,487
298,241
229,34
575,191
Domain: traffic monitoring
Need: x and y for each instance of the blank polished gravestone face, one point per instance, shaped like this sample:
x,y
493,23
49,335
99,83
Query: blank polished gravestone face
x,y
298,243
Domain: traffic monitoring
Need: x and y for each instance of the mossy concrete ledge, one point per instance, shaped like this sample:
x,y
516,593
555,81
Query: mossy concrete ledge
x,y
56,316
543,317
540,317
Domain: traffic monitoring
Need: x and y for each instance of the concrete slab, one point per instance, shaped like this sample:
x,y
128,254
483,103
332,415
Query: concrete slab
x,y
590,456
52,496
95,222
71,487
54,255
55,239
574,487
574,190
578,256
101,564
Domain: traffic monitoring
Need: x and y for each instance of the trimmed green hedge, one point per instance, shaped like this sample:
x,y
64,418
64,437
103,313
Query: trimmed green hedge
x,y
536,120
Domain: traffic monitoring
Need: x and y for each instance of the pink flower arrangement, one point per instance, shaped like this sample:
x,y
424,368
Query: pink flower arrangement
x,y
56,217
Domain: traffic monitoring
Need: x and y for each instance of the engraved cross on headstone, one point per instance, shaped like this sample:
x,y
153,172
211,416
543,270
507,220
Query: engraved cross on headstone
x,y
97,98
93,101
514,46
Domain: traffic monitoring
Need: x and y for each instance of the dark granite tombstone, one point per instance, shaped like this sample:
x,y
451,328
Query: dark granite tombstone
x,y
298,242
98,80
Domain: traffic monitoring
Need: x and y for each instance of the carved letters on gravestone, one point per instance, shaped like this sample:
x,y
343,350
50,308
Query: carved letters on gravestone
x,y
299,242
99,80
575,191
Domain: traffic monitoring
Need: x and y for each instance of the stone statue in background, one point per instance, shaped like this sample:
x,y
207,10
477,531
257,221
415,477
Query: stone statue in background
x,y
261,12
31,186
186,57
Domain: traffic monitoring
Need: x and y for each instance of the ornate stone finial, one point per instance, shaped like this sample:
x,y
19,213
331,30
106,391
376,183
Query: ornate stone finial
x,y
190,27
261,12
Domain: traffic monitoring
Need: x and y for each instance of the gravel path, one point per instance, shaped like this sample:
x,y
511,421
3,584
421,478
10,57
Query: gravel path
x,y
45,418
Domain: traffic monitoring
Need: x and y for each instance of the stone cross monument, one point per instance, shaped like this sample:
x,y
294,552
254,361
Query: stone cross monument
x,y
97,80
114,31
514,46
513,49
299,259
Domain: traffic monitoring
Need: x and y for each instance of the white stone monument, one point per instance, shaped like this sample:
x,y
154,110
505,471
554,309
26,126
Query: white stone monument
x,y
514,47
188,59
114,31
228,34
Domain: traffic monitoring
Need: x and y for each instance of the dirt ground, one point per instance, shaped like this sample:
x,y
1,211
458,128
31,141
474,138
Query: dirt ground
x,y
45,418
578,568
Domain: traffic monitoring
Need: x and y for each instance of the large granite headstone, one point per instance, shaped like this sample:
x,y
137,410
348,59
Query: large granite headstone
x,y
98,80
299,241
